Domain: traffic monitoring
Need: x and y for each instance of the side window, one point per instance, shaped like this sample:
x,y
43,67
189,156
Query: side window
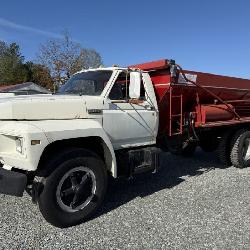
x,y
120,89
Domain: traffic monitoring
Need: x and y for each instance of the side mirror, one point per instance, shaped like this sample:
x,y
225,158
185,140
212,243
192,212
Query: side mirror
x,y
135,85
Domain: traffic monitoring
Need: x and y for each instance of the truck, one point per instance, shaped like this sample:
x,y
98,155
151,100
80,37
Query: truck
x,y
113,122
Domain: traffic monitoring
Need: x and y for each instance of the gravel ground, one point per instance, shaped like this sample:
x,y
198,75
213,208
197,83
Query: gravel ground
x,y
190,204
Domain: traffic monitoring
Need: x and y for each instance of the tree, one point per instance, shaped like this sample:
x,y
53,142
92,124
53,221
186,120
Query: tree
x,y
64,57
3,48
12,69
39,74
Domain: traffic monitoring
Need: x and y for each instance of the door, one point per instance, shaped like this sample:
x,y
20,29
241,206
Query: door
x,y
128,122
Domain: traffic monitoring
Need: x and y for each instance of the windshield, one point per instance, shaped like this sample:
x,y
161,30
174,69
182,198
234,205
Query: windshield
x,y
86,83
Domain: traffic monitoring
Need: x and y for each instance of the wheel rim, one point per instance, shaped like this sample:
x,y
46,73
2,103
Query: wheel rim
x,y
246,149
76,189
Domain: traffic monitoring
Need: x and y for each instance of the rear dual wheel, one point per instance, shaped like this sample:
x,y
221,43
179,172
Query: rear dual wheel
x,y
240,151
234,148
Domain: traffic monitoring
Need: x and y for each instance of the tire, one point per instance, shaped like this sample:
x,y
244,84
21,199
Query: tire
x,y
74,188
240,154
224,148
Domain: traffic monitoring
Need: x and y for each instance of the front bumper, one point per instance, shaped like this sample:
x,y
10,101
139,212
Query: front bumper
x,y
12,183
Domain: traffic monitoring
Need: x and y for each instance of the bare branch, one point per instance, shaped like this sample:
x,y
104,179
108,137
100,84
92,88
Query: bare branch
x,y
64,57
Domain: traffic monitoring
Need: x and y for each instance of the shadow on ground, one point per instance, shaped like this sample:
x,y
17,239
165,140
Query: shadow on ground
x,y
174,170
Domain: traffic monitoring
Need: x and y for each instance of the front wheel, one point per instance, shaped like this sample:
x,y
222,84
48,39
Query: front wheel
x,y
74,190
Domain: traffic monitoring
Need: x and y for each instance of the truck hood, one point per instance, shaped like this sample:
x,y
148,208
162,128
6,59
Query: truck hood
x,y
45,107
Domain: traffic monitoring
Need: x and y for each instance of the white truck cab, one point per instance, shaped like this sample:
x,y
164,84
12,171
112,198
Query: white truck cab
x,y
61,147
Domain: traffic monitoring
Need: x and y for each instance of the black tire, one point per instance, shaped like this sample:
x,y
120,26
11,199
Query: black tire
x,y
224,148
240,144
50,201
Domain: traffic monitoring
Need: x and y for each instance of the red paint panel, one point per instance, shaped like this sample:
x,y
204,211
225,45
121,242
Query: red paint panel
x,y
195,99
160,64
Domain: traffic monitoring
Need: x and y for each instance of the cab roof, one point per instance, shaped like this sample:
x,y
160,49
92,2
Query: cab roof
x,y
105,69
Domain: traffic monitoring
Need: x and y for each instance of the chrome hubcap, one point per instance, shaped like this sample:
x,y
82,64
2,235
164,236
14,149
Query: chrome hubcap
x,y
76,189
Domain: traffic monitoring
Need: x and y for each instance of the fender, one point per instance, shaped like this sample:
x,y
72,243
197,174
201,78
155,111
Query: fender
x,y
56,130
49,131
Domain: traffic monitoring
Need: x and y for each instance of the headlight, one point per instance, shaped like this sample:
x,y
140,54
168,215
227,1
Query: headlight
x,y
19,145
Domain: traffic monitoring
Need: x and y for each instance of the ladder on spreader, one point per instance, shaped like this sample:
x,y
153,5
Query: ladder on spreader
x,y
175,118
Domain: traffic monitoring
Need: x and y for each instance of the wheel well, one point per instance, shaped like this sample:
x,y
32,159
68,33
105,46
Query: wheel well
x,y
93,143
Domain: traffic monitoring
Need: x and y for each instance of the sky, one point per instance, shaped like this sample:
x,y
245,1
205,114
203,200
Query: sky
x,y
208,36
